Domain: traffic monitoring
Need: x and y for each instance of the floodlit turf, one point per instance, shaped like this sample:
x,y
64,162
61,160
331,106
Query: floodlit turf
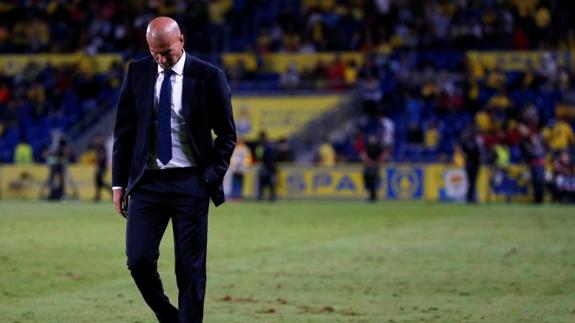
x,y
303,262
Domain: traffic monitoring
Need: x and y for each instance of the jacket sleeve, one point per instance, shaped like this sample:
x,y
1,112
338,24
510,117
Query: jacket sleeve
x,y
222,123
124,133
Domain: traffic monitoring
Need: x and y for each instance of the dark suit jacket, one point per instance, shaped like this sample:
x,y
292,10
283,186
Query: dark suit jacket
x,y
206,106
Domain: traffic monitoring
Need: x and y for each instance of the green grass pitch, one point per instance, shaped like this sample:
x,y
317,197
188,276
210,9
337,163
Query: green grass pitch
x,y
306,261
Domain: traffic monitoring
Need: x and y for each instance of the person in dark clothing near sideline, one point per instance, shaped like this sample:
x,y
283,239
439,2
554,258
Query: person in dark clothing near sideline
x,y
101,167
57,160
534,153
470,144
372,157
267,177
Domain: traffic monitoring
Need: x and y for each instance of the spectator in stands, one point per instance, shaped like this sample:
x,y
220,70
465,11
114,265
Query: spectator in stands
x,y
336,74
350,74
387,133
58,159
240,161
326,154
458,159
319,75
371,94
267,174
496,79
290,79
449,98
238,72
513,139
369,70
562,185
502,157
413,108
558,135
500,101
471,146
548,69
284,153
534,154
432,137
542,19
7,141
372,157
4,92
23,153
414,135
358,145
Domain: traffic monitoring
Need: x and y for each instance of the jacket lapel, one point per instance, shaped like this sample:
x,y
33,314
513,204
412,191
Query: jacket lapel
x,y
149,86
188,88
189,100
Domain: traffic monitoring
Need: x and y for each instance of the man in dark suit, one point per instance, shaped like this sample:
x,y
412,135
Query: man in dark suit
x,y
167,165
470,144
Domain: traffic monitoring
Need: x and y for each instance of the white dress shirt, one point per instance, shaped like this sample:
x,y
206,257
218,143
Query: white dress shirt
x,y
182,155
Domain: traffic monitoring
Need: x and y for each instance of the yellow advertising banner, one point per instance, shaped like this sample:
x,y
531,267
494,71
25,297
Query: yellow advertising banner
x,y
31,182
279,63
521,60
397,182
433,182
436,182
14,64
449,183
278,116
312,182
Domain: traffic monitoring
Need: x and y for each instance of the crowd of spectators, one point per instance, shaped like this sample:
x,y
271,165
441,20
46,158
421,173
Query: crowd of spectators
x,y
44,100
419,105
411,100
299,26
419,91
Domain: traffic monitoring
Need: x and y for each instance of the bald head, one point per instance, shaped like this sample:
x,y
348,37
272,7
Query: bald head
x,y
165,41
162,29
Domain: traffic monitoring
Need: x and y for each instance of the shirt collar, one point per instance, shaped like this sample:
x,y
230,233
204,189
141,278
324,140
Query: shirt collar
x,y
178,68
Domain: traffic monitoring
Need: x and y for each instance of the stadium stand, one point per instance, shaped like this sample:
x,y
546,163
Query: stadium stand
x,y
412,63
44,99
288,25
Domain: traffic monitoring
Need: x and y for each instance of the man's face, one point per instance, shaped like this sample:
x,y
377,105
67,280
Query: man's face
x,y
167,52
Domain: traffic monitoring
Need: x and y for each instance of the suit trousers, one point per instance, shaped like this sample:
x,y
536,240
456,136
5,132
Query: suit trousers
x,y
161,195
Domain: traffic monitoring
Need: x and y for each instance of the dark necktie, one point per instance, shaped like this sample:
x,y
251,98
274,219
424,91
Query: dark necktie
x,y
164,119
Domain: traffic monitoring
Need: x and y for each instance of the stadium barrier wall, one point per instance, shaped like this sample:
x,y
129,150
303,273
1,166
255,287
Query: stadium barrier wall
x,y
522,60
29,182
279,62
435,182
398,182
15,64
